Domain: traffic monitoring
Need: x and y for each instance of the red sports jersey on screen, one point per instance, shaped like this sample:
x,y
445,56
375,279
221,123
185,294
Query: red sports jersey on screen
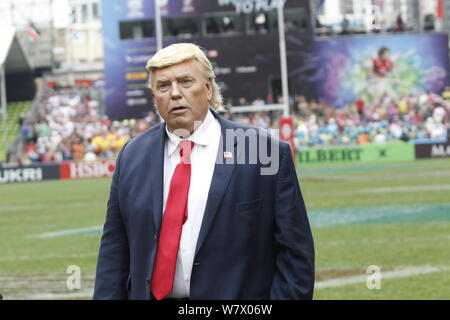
x,y
382,68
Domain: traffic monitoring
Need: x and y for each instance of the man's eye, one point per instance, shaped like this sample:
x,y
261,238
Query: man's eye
x,y
163,86
186,82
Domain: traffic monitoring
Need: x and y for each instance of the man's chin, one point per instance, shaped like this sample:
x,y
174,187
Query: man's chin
x,y
182,129
183,124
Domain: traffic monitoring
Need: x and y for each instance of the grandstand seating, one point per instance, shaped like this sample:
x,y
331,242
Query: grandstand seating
x,y
15,109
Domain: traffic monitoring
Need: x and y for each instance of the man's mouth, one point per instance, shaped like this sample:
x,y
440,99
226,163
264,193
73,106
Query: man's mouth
x,y
178,109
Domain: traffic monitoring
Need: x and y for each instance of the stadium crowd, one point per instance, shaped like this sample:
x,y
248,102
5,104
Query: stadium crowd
x,y
69,126
421,117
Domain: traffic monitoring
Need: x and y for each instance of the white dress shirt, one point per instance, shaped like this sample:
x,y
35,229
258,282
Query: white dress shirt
x,y
203,158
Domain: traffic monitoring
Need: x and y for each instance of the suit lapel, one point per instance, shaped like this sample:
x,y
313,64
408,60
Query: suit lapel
x,y
157,174
219,183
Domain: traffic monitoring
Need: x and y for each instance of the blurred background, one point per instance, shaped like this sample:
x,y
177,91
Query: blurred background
x,y
359,88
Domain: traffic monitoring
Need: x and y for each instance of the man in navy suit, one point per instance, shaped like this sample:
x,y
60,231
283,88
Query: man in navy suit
x,y
201,207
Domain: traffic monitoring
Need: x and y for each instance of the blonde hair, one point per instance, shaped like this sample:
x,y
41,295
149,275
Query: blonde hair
x,y
181,52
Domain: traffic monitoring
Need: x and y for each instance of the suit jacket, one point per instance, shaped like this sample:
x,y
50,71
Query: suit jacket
x,y
255,240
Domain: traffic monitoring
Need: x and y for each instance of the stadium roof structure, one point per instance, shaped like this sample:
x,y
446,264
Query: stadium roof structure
x,y
12,54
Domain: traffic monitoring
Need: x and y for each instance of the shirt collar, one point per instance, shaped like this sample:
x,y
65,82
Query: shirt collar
x,y
201,135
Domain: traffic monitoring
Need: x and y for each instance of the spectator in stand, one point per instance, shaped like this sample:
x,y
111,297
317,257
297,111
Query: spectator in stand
x,y
402,106
27,133
243,102
439,113
446,94
78,150
380,137
360,107
400,25
345,24
258,102
21,119
429,22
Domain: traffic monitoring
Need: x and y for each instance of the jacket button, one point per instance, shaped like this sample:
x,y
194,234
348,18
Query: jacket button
x,y
156,237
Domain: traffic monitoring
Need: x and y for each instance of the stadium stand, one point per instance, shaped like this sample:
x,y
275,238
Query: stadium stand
x,y
16,114
68,124
317,123
412,118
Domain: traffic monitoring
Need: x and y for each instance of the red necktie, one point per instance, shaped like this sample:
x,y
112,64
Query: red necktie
x,y
175,215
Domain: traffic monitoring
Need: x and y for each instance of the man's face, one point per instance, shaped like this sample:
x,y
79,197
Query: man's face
x,y
182,94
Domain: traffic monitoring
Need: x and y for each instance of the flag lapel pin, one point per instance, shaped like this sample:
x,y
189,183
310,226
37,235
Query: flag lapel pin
x,y
228,155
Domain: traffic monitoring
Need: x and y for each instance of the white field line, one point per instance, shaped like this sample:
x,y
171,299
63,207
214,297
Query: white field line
x,y
49,256
399,273
40,207
399,189
378,177
66,232
86,294
380,241
406,189
39,279
337,282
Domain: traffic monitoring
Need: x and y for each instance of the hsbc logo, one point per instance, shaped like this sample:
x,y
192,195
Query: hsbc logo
x,y
88,169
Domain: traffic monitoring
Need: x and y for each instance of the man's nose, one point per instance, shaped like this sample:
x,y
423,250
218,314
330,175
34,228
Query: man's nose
x,y
175,93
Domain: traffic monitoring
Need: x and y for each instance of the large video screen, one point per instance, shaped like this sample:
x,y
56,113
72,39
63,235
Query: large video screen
x,y
349,69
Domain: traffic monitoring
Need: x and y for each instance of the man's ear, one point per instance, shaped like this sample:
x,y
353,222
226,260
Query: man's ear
x,y
209,88
154,104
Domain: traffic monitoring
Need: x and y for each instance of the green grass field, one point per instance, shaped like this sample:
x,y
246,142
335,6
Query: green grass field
x,y
394,215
